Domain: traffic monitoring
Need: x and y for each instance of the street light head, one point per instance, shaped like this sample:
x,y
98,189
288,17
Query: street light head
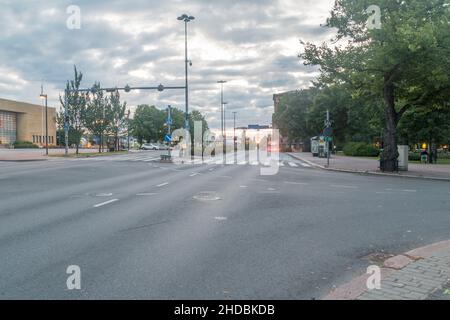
x,y
42,96
183,17
191,18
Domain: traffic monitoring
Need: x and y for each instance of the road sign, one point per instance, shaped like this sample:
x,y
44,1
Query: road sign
x,y
168,138
328,139
328,132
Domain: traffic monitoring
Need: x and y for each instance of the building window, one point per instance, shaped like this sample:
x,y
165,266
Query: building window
x,y
8,129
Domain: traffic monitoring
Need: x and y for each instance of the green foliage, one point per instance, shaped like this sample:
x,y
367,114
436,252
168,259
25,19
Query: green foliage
x,y
360,149
25,145
149,123
404,64
76,109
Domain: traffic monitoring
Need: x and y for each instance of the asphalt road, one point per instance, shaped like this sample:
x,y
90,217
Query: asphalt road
x,y
143,230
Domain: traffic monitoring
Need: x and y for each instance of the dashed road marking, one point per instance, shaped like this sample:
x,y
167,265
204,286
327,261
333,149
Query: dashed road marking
x,y
342,186
146,194
162,184
297,183
105,203
292,164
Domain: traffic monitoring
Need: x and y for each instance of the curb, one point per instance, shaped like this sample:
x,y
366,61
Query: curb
x,y
318,166
23,160
357,286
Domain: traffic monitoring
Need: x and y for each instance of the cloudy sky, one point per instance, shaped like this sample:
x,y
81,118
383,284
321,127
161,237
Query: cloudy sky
x,y
253,44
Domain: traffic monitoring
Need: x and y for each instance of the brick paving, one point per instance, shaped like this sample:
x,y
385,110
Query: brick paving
x,y
423,279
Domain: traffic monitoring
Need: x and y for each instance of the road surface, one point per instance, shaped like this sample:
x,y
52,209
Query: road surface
x,y
139,229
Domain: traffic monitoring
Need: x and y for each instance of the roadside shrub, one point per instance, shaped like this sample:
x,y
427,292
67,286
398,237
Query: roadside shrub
x,y
360,149
414,156
25,145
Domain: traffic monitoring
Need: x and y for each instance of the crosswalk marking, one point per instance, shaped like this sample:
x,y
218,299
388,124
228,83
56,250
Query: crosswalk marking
x,y
292,164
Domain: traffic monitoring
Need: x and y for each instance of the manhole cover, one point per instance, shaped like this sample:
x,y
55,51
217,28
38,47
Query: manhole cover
x,y
378,257
100,195
207,196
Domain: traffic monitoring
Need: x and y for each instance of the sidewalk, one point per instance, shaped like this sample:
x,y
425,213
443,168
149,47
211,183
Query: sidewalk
x,y
420,274
19,155
371,166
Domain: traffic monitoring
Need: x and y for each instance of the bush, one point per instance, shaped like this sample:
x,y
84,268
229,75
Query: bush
x,y
25,145
360,149
414,156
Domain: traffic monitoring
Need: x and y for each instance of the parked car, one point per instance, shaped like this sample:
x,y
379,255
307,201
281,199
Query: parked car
x,y
149,146
164,147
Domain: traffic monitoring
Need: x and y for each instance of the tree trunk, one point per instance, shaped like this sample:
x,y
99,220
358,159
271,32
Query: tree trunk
x,y
390,151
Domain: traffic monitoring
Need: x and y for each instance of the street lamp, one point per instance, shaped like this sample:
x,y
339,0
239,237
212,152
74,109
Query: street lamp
x,y
186,18
128,129
222,117
44,96
234,137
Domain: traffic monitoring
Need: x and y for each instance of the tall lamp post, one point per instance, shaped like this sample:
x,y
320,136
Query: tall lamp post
x,y
222,117
234,137
128,129
186,18
44,96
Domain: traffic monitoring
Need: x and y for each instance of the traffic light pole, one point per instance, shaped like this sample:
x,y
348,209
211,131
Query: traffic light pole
x,y
127,89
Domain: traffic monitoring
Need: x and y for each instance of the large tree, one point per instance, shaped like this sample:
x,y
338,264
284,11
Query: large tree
x,y
118,119
98,114
405,61
76,109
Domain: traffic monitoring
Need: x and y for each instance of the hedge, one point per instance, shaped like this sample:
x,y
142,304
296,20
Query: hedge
x,y
360,149
25,145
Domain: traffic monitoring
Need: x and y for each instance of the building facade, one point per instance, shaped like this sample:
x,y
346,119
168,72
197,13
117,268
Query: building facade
x,y
20,121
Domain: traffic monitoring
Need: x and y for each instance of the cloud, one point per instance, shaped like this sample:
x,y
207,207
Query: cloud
x,y
253,44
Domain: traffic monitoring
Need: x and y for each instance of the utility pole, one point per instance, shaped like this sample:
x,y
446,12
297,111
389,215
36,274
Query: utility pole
x,y
128,130
66,122
234,137
328,134
44,96
222,119
169,126
186,18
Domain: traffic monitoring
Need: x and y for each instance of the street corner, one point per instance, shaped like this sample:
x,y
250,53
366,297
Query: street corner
x,y
419,274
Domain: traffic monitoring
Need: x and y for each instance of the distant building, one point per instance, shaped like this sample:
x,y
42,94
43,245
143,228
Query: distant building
x,y
20,121
285,144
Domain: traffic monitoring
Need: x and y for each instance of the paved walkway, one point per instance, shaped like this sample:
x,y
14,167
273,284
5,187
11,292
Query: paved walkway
x,y
33,154
420,274
366,165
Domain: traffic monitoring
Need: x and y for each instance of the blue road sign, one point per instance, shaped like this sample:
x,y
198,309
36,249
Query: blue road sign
x,y
168,138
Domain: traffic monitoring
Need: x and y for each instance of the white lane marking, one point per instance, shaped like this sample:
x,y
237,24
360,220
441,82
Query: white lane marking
x,y
271,189
150,160
226,177
194,174
105,203
401,190
243,187
292,164
297,183
221,218
162,184
342,186
146,194
282,164
305,165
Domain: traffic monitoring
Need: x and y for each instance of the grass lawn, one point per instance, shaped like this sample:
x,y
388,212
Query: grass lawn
x,y
89,154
